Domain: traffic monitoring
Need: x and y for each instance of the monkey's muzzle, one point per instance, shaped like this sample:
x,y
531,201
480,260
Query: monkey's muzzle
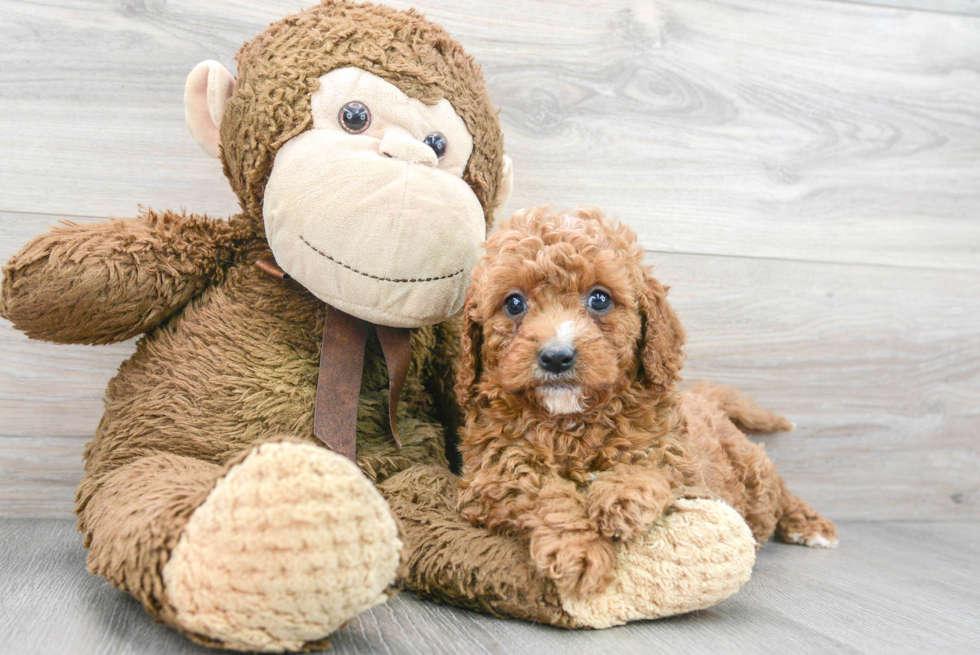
x,y
386,240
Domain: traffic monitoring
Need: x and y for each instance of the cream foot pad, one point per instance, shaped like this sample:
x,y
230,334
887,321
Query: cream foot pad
x,y
694,557
289,545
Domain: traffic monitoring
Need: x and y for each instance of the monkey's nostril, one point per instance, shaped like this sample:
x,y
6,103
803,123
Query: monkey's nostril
x,y
557,359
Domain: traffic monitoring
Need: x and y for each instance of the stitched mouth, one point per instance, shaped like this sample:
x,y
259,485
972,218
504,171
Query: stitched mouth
x,y
377,277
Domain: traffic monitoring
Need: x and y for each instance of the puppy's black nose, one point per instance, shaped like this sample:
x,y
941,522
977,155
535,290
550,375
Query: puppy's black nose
x,y
557,359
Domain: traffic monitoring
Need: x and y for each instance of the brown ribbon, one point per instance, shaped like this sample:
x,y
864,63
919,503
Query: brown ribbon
x,y
338,385
269,266
397,346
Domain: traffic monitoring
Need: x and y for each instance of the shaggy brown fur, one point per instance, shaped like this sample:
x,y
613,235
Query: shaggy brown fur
x,y
229,358
279,70
573,460
215,376
451,561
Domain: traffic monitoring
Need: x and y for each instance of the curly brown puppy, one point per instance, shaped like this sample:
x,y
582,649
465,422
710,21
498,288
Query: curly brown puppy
x,y
575,434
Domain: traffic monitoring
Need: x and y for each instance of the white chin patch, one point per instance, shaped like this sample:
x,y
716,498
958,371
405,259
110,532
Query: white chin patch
x,y
561,399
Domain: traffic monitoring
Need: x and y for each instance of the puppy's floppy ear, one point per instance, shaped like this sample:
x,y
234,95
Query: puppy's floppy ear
x,y
470,345
662,342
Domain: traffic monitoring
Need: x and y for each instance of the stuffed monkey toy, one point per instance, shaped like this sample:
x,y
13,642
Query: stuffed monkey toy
x,y
224,488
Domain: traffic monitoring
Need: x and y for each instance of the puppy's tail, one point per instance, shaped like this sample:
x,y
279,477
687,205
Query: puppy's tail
x,y
742,410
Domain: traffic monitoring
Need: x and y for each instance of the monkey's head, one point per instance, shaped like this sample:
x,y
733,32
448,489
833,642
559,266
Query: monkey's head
x,y
362,140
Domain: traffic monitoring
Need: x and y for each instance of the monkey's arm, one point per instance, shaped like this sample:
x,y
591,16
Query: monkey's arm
x,y
108,281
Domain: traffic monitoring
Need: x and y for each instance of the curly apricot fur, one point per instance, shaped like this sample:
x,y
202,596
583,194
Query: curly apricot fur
x,y
609,464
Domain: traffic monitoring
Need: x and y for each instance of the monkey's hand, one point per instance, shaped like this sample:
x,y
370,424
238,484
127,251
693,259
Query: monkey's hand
x,y
108,281
626,500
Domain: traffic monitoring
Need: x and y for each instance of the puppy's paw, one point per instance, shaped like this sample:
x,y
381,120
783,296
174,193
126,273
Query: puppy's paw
x,y
620,509
581,564
623,517
815,540
820,533
807,529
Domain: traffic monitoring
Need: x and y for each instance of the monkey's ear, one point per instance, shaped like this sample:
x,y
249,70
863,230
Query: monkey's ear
x,y
206,94
506,185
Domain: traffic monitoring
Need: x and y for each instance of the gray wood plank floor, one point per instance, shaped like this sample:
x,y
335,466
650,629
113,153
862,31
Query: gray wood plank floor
x,y
890,588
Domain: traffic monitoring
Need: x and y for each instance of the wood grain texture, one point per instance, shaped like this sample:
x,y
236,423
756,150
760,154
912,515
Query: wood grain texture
x,y
802,129
890,588
775,143
879,367
968,7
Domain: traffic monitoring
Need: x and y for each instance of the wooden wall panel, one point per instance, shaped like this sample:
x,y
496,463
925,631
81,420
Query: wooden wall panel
x,y
968,7
803,173
801,129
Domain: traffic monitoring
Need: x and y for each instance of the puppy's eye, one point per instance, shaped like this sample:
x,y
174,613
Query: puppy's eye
x,y
599,301
437,142
355,117
515,305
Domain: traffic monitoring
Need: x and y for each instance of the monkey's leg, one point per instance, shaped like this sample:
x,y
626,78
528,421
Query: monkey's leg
x,y
273,551
700,553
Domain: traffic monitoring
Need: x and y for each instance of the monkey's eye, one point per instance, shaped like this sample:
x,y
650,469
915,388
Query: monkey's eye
x,y
355,117
437,142
515,305
599,301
